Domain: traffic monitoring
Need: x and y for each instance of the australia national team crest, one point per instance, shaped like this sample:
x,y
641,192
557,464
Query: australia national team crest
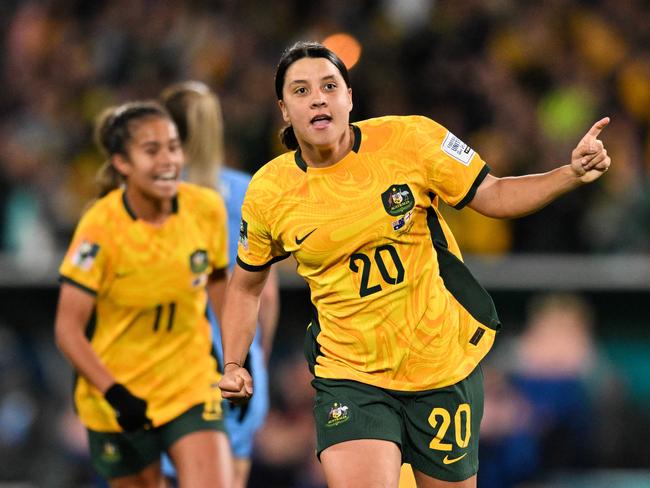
x,y
337,414
110,453
398,200
199,261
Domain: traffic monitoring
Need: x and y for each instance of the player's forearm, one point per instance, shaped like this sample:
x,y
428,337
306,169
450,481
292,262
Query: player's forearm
x,y
74,310
217,292
240,313
238,325
76,348
518,196
269,312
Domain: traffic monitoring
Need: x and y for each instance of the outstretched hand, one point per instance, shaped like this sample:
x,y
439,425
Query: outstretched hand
x,y
589,159
236,385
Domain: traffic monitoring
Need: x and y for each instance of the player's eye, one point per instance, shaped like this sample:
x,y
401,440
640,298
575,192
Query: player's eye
x,y
330,86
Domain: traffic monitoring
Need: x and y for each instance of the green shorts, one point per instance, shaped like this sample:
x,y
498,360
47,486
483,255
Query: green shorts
x,y
436,430
116,454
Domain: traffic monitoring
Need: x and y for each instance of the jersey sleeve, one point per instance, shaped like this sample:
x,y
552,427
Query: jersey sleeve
x,y
454,170
256,249
86,261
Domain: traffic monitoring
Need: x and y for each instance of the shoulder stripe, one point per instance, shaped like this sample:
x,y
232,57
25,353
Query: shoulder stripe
x,y
472,191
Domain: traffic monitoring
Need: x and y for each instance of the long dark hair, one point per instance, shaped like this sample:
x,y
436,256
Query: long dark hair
x,y
303,49
113,133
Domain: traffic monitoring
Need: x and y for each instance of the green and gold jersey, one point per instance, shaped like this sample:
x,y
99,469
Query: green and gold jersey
x,y
150,327
394,305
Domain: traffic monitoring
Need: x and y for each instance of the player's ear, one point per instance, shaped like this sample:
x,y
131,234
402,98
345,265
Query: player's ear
x,y
121,164
350,98
285,113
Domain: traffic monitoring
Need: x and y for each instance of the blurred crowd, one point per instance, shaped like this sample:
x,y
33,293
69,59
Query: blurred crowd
x,y
519,81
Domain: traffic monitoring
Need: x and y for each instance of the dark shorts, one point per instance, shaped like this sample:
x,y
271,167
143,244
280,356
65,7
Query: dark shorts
x,y
116,454
436,430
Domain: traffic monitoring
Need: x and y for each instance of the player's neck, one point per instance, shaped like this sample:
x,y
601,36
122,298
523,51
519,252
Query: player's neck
x,y
154,211
324,156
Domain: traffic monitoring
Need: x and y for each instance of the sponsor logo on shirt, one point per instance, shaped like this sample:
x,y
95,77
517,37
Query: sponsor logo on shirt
x,y
301,240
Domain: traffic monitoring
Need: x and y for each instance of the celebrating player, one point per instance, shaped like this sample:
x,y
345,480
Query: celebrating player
x,y
137,271
400,325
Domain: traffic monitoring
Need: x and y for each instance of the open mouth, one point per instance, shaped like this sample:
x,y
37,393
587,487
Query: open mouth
x,y
166,177
321,120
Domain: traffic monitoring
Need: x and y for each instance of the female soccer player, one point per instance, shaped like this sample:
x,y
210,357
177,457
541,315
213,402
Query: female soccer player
x,y
131,312
400,325
197,113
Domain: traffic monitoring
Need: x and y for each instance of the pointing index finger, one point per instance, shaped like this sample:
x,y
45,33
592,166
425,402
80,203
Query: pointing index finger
x,y
598,127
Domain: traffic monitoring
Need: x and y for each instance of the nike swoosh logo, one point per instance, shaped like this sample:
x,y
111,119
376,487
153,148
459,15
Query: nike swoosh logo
x,y
123,274
446,459
300,241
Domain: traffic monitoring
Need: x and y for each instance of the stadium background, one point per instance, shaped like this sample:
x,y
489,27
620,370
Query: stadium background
x,y
519,81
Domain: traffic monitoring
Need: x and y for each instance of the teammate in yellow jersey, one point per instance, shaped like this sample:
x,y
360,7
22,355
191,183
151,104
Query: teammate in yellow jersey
x,y
131,313
400,325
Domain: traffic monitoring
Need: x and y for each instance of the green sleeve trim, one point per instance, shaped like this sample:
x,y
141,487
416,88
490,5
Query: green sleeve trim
x,y
65,279
472,191
261,267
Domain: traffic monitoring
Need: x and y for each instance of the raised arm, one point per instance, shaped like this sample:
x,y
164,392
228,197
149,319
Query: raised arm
x,y
238,330
517,196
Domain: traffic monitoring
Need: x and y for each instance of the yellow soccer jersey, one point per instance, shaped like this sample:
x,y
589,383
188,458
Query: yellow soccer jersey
x,y
150,327
394,305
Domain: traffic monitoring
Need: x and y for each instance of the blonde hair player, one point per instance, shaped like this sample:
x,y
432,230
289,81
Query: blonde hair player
x,y
197,112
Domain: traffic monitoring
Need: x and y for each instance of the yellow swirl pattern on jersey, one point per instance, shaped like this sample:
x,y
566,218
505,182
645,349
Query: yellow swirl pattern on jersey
x,y
150,327
396,307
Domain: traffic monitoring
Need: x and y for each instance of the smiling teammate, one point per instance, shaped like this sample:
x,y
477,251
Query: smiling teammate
x,y
134,279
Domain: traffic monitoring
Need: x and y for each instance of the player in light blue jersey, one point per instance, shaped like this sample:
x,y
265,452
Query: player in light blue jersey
x,y
197,113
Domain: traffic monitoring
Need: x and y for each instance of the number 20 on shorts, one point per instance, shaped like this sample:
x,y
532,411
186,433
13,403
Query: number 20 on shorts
x,y
440,419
